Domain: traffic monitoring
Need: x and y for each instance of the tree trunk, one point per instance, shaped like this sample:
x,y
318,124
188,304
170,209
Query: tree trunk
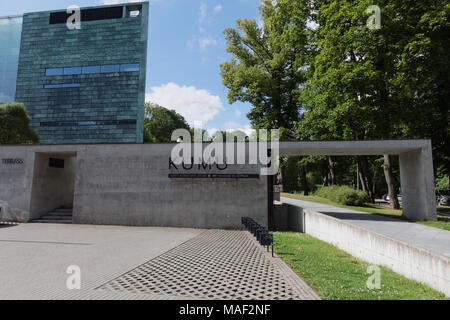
x,y
331,168
390,181
364,177
325,175
305,182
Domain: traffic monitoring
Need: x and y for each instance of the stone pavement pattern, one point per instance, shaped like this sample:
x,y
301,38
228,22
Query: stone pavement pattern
x,y
34,259
217,264
429,238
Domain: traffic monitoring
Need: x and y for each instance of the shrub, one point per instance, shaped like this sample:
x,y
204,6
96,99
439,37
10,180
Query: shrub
x,y
14,125
344,195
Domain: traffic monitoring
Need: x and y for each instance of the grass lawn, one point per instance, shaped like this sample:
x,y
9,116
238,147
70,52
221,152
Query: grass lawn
x,y
442,223
336,275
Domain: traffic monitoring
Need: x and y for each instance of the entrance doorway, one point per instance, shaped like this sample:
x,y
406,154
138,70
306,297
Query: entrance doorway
x,y
53,187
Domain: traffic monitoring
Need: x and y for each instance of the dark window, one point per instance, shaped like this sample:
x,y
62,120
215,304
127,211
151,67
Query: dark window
x,y
59,17
89,14
72,70
129,67
54,72
91,69
110,68
56,163
102,13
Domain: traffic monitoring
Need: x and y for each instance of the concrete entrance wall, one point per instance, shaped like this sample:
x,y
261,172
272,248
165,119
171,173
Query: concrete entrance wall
x,y
52,187
129,184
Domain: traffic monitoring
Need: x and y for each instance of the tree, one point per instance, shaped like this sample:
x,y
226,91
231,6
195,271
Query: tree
x,y
160,122
266,68
385,83
14,125
423,78
351,85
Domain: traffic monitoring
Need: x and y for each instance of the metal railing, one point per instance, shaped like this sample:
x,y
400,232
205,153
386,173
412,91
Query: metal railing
x,y
262,234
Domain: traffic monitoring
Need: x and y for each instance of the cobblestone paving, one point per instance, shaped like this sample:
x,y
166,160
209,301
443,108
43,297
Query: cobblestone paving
x,y
217,264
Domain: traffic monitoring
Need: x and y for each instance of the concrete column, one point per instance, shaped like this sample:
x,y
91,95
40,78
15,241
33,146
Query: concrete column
x,y
417,181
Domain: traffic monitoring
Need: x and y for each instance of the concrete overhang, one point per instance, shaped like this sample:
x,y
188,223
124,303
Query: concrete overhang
x,y
346,148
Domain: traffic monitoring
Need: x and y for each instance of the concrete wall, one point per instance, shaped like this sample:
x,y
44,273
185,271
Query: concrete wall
x,y
412,262
129,184
52,187
15,183
287,217
417,181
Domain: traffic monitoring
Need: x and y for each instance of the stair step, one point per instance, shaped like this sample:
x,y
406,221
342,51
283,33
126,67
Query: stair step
x,y
56,217
63,210
53,221
57,213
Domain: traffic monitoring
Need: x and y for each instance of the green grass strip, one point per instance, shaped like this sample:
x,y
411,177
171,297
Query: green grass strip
x,y
336,275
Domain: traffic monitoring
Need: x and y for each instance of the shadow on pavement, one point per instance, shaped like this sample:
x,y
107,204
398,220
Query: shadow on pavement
x,y
7,225
362,216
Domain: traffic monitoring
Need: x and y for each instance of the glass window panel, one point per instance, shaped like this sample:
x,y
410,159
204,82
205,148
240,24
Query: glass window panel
x,y
10,35
110,68
54,72
72,70
52,86
129,67
86,123
71,85
91,69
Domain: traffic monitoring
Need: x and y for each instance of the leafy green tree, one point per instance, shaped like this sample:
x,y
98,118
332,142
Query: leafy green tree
x,y
14,125
267,64
160,122
443,182
351,83
422,81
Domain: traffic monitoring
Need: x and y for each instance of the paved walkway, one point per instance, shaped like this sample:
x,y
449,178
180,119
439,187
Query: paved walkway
x,y
141,263
433,239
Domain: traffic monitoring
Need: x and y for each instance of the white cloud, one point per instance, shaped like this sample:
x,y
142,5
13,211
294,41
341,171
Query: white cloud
x,y
203,12
192,103
233,126
238,113
205,42
218,8
202,42
190,43
5,98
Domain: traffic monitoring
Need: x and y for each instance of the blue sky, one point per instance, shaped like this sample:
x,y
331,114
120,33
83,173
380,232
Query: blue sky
x,y
186,47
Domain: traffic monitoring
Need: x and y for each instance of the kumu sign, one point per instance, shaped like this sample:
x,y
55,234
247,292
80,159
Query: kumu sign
x,y
219,155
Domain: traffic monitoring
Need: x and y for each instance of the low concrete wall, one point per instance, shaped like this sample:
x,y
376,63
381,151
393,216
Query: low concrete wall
x,y
403,258
287,217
